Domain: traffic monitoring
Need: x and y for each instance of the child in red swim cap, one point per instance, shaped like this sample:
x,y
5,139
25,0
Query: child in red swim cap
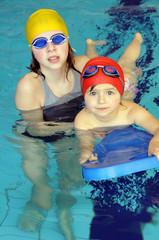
x,y
102,82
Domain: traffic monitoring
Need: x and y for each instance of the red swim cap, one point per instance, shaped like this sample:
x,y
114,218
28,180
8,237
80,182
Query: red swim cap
x,y
102,78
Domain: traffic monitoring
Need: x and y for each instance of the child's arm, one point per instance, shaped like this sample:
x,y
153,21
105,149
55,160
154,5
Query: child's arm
x,y
144,119
154,145
86,142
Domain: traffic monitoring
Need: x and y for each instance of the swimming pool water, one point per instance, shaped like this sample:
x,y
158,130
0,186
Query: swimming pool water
x,y
70,204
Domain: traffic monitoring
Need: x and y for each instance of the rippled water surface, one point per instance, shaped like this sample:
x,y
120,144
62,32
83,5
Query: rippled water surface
x,y
70,208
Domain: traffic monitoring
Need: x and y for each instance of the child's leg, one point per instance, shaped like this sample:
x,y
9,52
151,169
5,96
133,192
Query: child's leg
x,y
91,47
128,60
132,51
128,63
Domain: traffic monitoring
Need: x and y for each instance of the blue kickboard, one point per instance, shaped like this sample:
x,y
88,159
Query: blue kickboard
x,y
120,153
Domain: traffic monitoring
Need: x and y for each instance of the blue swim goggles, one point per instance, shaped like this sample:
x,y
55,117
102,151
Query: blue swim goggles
x,y
107,70
41,42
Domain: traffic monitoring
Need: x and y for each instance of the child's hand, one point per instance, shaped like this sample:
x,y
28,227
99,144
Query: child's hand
x,y
154,149
87,155
100,134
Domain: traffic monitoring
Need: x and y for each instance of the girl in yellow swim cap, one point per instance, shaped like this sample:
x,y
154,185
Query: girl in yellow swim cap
x,y
47,26
55,71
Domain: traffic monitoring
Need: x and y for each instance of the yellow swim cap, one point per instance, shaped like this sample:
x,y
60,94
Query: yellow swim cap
x,y
44,20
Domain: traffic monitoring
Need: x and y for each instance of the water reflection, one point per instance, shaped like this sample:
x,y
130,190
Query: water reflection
x,y
121,206
38,155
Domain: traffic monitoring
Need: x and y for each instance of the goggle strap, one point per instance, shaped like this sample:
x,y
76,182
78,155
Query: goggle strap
x,y
74,50
122,84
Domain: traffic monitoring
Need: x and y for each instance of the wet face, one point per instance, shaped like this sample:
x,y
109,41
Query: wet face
x,y
103,100
52,56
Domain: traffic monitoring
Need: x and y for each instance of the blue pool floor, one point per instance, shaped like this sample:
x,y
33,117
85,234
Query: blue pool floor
x,y
82,213
49,227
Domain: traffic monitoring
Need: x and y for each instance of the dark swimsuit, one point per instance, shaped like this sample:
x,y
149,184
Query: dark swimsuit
x,y
62,109
66,108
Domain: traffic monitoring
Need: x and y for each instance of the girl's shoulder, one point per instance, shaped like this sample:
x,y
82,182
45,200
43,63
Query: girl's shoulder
x,y
29,76
29,94
29,81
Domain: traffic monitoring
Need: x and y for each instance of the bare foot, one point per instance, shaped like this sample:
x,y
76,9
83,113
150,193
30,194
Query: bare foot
x,y
138,36
30,220
91,47
95,43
